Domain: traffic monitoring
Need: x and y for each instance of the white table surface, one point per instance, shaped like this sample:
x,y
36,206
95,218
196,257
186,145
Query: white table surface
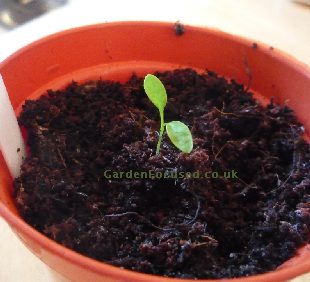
x,y
282,24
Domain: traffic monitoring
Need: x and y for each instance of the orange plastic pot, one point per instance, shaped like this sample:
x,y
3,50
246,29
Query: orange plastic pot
x,y
114,51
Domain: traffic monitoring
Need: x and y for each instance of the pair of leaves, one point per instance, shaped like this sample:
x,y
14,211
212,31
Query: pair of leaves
x,y
177,131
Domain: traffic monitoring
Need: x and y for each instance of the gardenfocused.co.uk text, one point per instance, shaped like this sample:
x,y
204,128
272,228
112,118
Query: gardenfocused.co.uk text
x,y
152,174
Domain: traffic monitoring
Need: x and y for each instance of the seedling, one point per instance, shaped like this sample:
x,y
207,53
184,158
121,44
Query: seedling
x,y
177,131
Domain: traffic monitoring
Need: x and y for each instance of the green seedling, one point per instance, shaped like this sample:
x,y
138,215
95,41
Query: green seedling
x,y
177,131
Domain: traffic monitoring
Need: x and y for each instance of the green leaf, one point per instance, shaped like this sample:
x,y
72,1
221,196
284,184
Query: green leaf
x,y
156,91
180,136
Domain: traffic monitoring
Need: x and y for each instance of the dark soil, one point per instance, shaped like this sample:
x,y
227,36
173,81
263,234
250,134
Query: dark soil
x,y
189,228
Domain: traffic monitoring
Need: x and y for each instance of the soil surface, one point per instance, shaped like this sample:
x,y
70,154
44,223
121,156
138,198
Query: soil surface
x,y
185,227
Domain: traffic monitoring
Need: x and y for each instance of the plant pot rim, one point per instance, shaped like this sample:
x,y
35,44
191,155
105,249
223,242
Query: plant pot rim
x,y
113,272
263,47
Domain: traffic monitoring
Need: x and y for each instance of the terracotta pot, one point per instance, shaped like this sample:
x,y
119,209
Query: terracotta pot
x,y
114,51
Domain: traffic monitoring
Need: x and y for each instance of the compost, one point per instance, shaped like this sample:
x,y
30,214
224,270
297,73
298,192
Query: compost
x,y
187,227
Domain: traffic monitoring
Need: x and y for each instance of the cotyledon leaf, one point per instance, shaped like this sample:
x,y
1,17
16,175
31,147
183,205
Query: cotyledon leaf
x,y
156,91
180,136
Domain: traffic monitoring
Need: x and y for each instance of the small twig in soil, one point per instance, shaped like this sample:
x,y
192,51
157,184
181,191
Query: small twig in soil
x,y
212,144
243,181
197,245
141,216
220,151
77,162
132,116
225,113
82,194
295,163
286,180
212,240
61,158
197,209
41,128
95,207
